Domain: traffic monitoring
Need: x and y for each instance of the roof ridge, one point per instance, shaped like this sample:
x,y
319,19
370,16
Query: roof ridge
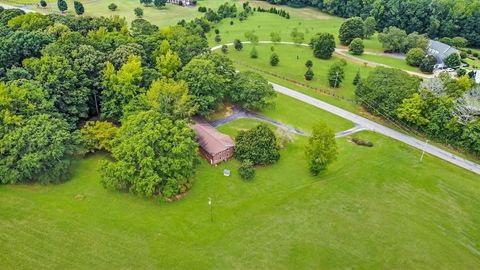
x,y
206,128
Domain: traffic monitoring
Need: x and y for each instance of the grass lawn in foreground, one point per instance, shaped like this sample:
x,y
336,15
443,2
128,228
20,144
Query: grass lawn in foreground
x,y
293,68
373,208
389,61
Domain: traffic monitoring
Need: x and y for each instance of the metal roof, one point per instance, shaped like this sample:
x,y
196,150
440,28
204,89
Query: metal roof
x,y
210,139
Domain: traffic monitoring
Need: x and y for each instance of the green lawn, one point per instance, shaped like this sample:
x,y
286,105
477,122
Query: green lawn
x,y
374,208
389,61
293,68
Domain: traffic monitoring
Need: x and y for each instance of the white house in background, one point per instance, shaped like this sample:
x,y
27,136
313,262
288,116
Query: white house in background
x,y
440,51
477,76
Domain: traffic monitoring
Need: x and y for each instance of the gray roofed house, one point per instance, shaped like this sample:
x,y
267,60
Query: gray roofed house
x,y
440,51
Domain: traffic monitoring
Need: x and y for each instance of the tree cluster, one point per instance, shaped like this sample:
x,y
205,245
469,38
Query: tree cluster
x,y
257,145
274,10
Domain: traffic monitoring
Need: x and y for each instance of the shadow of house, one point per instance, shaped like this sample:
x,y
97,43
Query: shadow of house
x,y
214,145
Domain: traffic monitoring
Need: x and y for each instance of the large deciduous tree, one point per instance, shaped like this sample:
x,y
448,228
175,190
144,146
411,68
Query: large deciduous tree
x,y
350,29
321,149
259,145
153,155
323,45
206,86
415,57
120,87
251,91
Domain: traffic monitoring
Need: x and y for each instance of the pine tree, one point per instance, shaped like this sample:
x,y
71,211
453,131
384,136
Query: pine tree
x,y
357,78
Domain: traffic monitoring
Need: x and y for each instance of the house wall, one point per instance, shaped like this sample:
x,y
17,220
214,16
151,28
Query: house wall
x,y
224,155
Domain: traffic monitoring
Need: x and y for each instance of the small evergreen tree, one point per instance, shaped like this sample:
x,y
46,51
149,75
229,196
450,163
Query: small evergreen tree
x,y
309,74
79,9
62,5
218,38
357,78
112,6
246,170
43,3
274,59
138,12
237,44
159,3
217,31
309,64
224,49
253,53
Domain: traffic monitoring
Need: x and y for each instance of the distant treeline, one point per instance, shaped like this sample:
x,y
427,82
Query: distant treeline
x,y
437,18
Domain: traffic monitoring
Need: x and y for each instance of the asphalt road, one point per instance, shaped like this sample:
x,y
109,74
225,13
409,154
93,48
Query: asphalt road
x,y
375,127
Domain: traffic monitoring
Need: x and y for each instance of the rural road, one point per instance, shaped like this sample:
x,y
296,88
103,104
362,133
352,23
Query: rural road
x,y
375,127
26,10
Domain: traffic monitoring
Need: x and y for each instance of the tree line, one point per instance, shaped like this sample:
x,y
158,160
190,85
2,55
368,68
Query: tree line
x,y
436,18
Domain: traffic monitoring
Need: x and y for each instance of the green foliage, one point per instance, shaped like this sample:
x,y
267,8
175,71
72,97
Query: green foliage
x,y
336,74
246,170
309,64
98,135
112,6
218,38
459,42
350,29
79,9
309,74
275,37
186,44
62,5
274,59
159,3
357,78
168,64
142,27
30,21
323,45
321,149
370,24
152,155
356,47
428,63
385,89
297,37
39,150
146,2
224,49
259,145
415,57
453,60
120,87
138,12
63,85
205,84
394,39
250,36
43,3
251,91
237,44
411,110
253,53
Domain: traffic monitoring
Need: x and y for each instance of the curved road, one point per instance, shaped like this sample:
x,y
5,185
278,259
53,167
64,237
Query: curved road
x,y
371,125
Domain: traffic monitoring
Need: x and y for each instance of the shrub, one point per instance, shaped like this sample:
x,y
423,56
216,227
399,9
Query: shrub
x,y
361,142
98,135
258,144
224,49
246,170
253,53
356,46
415,57
202,9
231,22
463,55
475,54
112,7
274,59
309,64
218,38
138,12
323,45
309,74
461,72
453,60
428,63
237,44
43,3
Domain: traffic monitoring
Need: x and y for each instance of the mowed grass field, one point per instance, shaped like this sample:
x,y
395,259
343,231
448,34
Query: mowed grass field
x,y
292,66
374,208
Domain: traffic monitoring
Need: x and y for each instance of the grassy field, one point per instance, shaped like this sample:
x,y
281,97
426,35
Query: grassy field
x,y
389,61
370,210
309,21
292,66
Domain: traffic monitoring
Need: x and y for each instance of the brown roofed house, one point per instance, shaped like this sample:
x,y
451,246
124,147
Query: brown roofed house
x,y
214,146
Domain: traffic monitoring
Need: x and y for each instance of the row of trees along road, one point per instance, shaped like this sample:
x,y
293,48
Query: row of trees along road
x,y
142,86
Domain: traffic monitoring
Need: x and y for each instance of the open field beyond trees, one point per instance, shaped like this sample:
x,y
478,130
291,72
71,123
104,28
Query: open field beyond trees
x,y
372,208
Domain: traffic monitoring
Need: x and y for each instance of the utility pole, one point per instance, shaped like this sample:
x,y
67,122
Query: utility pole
x,y
211,210
423,152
